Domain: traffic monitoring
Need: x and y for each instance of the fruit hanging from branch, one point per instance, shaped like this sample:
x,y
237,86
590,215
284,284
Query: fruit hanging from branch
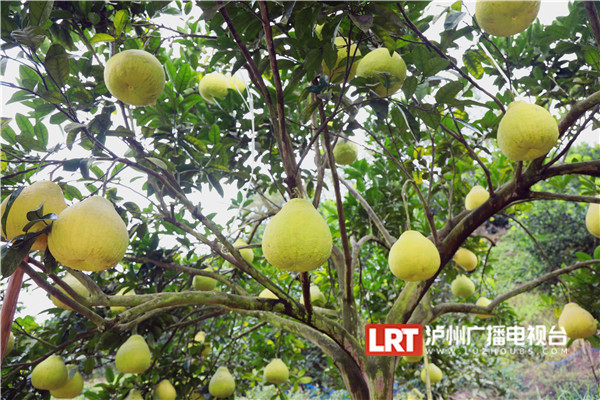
x,y
577,322
89,236
297,238
43,193
413,257
526,131
135,77
506,18
388,70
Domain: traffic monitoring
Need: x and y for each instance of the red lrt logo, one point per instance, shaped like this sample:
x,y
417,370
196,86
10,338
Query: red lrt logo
x,y
394,339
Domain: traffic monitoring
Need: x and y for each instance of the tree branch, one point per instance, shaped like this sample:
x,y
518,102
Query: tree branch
x,y
577,111
562,196
592,13
389,239
445,308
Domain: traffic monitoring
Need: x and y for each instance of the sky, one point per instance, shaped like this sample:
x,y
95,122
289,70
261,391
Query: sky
x,y
36,301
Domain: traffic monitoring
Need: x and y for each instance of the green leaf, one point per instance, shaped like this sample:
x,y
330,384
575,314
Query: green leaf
x,y
215,184
214,134
308,111
592,57
50,262
159,163
57,64
448,92
31,36
24,124
13,253
581,256
472,60
452,20
597,253
196,143
183,78
39,12
102,37
11,199
364,21
121,18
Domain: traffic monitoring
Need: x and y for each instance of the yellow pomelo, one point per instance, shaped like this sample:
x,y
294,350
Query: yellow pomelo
x,y
50,374
204,283
237,84
221,384
390,71
345,153
133,356
134,395
206,349
466,259
135,77
89,236
462,286
77,286
71,389
214,86
267,294
412,359
122,292
30,198
317,298
505,18
413,257
200,337
276,372
476,197
577,322
165,390
435,373
592,219
483,302
297,238
247,254
526,131
10,344
337,73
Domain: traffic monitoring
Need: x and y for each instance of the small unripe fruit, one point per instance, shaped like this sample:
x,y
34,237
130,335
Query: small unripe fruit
x,y
50,374
483,302
133,356
435,373
462,286
466,259
222,384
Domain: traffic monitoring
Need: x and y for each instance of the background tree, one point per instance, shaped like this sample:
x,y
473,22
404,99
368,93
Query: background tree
x,y
426,148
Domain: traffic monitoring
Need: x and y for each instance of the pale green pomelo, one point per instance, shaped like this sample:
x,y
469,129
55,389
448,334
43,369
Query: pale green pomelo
x,y
133,356
134,395
345,153
222,384
135,77
247,254
505,18
462,286
204,283
297,238
577,322
526,131
413,257
10,344
89,236
337,73
276,372
122,292
267,294
165,390
466,259
390,71
476,197
72,388
483,302
412,359
592,219
435,373
214,86
50,374
31,198
77,286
